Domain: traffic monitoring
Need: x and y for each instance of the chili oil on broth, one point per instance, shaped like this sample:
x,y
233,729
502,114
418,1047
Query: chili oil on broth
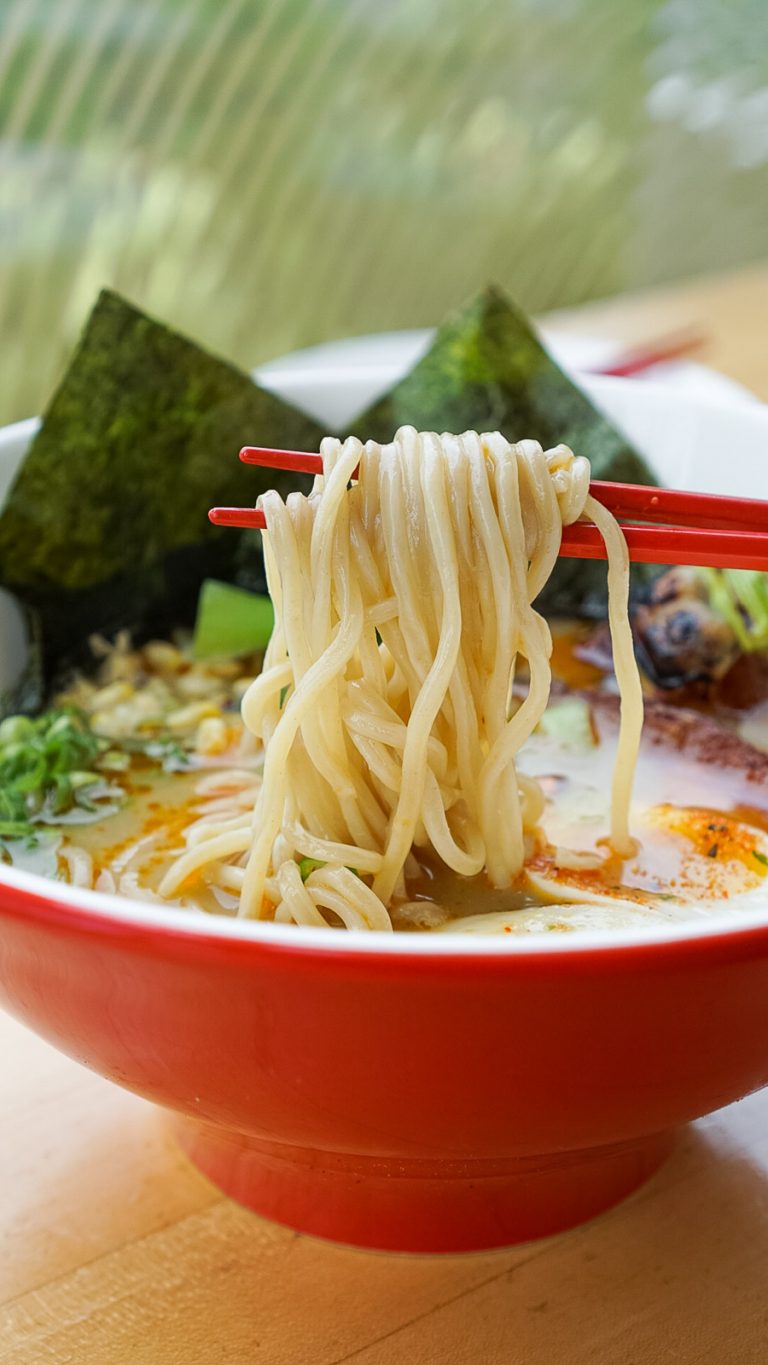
x,y
129,852
702,846
702,841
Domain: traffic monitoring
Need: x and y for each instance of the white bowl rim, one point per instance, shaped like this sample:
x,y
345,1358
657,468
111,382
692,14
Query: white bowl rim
x,y
132,914
172,921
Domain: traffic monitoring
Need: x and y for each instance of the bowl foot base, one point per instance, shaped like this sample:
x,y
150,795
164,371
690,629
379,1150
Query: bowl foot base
x,y
419,1205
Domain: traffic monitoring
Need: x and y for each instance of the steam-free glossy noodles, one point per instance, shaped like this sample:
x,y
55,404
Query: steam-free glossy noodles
x,y
407,668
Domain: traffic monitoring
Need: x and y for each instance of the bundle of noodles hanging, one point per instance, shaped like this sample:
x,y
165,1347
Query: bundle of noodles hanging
x,y
403,588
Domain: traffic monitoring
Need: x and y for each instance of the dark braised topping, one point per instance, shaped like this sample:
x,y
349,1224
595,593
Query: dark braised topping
x,y
679,638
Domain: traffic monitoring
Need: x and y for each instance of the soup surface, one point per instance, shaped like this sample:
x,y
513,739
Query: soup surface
x,y
699,815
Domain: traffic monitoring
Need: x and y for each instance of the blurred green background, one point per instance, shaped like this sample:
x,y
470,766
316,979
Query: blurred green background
x,y
269,173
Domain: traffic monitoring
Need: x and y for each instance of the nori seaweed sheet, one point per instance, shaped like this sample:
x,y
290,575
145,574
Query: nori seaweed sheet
x,y
486,370
105,526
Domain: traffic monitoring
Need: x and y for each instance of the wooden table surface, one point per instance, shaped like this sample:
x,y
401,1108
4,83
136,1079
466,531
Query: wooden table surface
x,y
114,1250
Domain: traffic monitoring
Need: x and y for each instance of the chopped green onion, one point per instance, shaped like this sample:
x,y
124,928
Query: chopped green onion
x,y
49,772
307,866
16,730
164,749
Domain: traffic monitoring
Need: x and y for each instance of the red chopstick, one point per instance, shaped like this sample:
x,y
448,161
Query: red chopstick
x,y
638,359
693,528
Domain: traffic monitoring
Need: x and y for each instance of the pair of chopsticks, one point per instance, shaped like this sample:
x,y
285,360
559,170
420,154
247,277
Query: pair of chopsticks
x,y
686,528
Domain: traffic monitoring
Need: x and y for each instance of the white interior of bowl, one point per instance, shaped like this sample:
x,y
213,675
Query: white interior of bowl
x,y
718,445
338,379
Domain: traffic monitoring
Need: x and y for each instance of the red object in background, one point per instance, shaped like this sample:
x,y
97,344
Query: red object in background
x,y
418,1099
638,360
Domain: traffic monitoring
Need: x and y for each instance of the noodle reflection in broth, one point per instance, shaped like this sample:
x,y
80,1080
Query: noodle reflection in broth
x,y
387,706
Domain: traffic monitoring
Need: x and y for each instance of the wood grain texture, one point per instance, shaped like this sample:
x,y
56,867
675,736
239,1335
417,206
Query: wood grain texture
x,y
113,1250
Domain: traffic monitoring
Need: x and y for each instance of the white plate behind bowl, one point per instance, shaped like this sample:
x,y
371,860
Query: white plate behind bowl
x,y
718,445
339,378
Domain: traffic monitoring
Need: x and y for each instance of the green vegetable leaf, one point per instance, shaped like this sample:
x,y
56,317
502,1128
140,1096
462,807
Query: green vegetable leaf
x,y
105,526
231,621
741,597
570,722
487,371
761,858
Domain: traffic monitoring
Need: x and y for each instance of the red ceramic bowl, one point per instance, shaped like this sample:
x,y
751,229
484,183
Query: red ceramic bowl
x,y
416,1092
425,1093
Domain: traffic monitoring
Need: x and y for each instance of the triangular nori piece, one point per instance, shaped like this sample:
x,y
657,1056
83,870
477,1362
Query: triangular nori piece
x,y
106,525
486,370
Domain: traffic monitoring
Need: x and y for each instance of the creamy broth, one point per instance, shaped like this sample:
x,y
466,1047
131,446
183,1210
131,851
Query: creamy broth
x,y
131,850
701,829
